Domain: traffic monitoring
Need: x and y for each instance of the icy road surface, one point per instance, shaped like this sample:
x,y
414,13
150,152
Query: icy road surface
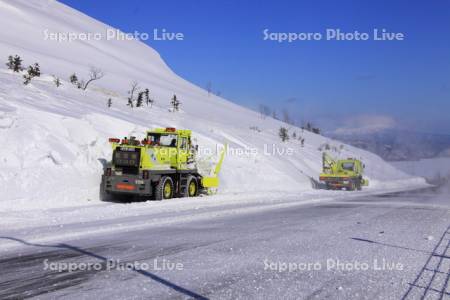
x,y
392,246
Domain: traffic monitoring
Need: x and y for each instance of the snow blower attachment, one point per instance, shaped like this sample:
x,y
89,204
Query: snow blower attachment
x,y
211,182
163,165
346,173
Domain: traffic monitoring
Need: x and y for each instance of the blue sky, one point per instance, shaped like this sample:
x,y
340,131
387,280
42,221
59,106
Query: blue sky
x,y
329,82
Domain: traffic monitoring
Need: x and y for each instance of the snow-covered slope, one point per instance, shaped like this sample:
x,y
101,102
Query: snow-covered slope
x,y
435,170
55,139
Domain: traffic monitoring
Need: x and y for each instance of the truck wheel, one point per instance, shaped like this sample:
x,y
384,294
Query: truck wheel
x,y
192,187
359,183
164,188
351,187
103,195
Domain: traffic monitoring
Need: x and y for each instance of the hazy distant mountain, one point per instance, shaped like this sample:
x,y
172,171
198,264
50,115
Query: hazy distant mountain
x,y
392,144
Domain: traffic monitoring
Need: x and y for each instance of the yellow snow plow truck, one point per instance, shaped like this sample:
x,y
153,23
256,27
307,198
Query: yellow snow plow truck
x,y
342,174
161,166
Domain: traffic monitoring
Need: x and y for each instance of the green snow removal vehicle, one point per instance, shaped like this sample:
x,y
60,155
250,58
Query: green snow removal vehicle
x,y
162,166
344,173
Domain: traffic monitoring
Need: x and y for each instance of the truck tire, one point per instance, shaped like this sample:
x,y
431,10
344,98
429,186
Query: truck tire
x,y
192,187
164,189
103,195
352,186
359,185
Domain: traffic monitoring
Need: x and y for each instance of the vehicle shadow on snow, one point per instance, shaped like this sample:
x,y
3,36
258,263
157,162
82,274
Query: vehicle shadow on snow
x,y
104,260
121,199
388,245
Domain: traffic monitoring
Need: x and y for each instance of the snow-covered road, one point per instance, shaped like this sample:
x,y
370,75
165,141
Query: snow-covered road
x,y
371,247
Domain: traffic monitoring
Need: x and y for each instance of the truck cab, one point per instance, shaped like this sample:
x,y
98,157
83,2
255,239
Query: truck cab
x,y
168,148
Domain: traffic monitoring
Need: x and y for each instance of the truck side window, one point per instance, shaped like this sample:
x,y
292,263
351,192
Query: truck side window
x,y
184,144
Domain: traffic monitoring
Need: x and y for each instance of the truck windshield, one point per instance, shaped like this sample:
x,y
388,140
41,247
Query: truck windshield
x,y
348,166
165,140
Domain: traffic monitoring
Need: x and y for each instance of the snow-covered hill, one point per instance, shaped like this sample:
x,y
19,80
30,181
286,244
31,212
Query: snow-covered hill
x,y
435,170
55,139
395,144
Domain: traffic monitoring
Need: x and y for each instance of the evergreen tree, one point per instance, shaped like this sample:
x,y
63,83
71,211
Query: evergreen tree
x,y
148,100
37,70
10,63
140,99
33,71
27,78
175,103
17,64
73,79
283,133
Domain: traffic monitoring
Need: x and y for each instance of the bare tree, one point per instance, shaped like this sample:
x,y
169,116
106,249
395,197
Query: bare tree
x,y
94,74
133,89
